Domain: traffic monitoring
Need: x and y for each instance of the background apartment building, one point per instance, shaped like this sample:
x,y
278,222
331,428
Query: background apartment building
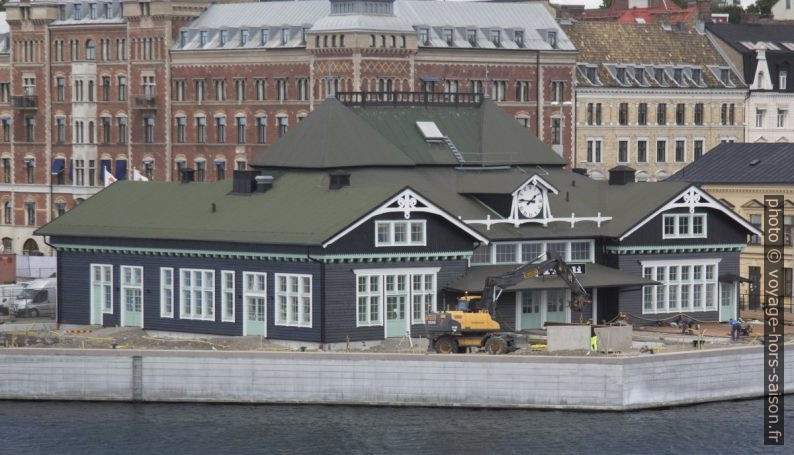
x,y
158,86
764,56
652,97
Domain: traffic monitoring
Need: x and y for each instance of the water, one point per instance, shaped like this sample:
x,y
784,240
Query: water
x,y
121,428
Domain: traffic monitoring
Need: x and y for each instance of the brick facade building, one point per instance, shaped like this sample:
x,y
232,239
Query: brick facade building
x,y
157,86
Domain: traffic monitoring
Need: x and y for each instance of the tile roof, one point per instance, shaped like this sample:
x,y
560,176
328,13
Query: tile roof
x,y
753,163
610,45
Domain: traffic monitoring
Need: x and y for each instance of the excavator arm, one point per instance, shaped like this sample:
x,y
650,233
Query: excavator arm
x,y
551,260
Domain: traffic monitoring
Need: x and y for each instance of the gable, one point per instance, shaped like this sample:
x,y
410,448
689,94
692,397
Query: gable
x,y
408,203
692,199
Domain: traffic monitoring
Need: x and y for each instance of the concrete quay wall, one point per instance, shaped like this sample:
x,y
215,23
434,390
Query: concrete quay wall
x,y
609,383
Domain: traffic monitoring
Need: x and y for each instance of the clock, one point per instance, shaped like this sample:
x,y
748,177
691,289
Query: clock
x,y
530,201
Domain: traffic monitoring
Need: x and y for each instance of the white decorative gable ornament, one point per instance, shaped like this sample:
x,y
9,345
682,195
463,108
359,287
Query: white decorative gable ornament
x,y
407,203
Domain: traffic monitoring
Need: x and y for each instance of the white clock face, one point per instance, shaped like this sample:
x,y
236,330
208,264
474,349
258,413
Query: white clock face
x,y
530,201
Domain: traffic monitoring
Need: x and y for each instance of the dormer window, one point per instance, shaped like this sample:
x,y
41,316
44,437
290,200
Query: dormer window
x,y
590,71
77,15
243,37
61,12
304,31
92,10
284,35
678,76
424,36
182,38
725,76
697,76
265,36
496,37
224,37
658,74
108,11
204,37
620,74
448,38
518,37
552,39
471,36
782,77
639,74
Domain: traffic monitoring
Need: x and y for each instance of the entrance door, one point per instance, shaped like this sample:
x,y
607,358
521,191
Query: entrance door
x,y
530,310
101,291
396,299
727,301
555,305
132,296
254,294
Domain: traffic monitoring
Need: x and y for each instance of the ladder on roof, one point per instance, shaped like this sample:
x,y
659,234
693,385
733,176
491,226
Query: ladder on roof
x,y
454,150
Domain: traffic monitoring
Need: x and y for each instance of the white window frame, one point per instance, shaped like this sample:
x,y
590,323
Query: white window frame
x,y
381,293
125,286
290,319
408,230
627,140
650,270
204,288
107,307
226,292
647,150
166,290
519,247
676,223
368,294
599,155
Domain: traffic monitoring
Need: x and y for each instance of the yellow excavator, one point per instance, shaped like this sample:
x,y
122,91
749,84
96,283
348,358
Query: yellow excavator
x,y
473,324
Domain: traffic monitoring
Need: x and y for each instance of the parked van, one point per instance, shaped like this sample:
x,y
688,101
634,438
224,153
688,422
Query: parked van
x,y
38,298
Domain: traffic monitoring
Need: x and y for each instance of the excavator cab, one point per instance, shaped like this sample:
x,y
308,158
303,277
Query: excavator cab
x,y
468,302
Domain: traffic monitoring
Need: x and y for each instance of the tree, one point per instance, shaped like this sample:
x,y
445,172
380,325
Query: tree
x,y
606,4
762,7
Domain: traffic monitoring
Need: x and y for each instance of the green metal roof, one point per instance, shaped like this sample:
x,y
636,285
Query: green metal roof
x,y
300,209
337,136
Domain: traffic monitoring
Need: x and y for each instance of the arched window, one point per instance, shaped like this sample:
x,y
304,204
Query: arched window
x,y
325,41
8,245
7,210
341,40
371,40
90,50
30,248
90,132
383,41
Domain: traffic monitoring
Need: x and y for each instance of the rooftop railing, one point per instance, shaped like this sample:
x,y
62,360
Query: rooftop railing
x,y
409,99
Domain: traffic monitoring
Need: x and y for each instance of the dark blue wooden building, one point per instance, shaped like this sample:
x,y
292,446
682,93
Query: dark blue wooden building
x,y
376,210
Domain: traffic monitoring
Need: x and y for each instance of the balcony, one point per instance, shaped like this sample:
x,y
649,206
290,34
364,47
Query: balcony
x,y
144,102
25,102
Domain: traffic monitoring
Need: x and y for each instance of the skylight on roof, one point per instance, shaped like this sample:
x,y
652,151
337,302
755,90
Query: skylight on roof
x,y
430,131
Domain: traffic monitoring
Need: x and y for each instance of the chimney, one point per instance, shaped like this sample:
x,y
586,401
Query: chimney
x,y
244,182
263,183
338,179
621,175
187,175
704,10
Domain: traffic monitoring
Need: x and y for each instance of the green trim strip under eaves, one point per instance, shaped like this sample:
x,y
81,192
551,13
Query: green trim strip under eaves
x,y
653,249
372,257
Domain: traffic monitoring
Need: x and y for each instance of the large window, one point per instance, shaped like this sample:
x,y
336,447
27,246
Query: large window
x,y
132,288
400,233
594,150
197,294
102,286
521,252
677,226
294,300
418,286
368,298
685,286
254,294
166,292
227,296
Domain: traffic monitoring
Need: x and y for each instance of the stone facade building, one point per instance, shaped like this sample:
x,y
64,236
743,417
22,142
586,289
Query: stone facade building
x,y
157,86
652,97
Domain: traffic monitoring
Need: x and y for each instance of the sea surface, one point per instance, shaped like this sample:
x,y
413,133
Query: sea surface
x,y
122,428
